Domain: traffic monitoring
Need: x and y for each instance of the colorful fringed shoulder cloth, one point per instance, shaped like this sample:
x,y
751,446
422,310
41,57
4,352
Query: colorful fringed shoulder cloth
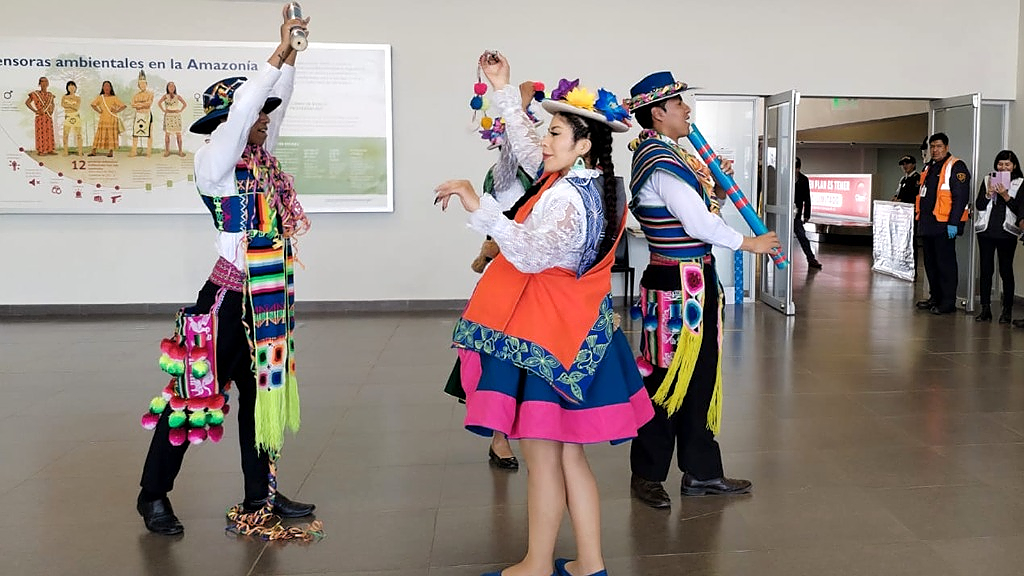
x,y
673,320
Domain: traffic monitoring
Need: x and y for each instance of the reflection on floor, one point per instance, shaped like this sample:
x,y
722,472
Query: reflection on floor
x,y
880,440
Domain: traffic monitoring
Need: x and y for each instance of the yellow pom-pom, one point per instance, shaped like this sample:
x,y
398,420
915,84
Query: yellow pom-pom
x,y
486,122
486,104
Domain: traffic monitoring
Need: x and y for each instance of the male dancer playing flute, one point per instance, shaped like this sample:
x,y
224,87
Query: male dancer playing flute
x,y
676,201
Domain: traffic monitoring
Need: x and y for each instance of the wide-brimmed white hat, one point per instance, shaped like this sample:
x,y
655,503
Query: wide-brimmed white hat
x,y
604,106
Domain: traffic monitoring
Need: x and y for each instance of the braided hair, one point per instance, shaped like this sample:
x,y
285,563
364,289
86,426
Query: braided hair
x,y
600,157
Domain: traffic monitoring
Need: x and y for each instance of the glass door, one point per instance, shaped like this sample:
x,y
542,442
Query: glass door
x,y
778,153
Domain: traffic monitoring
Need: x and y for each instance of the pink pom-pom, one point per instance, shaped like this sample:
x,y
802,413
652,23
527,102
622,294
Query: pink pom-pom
x,y
149,420
178,403
645,367
480,88
538,86
166,345
176,436
197,435
216,433
226,408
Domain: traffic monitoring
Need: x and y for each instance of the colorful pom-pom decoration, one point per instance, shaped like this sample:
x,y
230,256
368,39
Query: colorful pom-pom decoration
x,y
149,420
675,325
196,435
157,405
217,402
176,419
226,408
645,367
485,105
476,103
650,322
636,312
197,419
480,88
178,403
215,417
486,122
215,433
176,436
200,368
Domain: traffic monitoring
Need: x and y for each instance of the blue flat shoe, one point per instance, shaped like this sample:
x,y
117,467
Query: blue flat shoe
x,y
561,571
556,573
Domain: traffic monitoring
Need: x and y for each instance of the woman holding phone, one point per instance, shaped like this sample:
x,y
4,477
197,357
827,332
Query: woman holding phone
x,y
998,213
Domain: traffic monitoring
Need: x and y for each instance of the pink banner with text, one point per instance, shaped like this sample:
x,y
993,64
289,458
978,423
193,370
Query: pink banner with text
x,y
841,196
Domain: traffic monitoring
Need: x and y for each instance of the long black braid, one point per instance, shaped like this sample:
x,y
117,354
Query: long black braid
x,y
600,157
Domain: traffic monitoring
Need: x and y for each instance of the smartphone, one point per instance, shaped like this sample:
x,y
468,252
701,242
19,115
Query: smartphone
x,y
996,178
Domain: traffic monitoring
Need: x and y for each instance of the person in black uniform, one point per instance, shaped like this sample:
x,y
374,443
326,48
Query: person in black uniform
x,y
802,197
941,214
910,184
909,188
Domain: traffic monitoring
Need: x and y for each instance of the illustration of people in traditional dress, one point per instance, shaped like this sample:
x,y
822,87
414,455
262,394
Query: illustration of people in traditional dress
x,y
109,127
41,103
171,104
71,102
142,126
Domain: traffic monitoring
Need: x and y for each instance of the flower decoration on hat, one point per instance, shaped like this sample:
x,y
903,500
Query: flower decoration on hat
x,y
603,106
608,104
580,97
564,87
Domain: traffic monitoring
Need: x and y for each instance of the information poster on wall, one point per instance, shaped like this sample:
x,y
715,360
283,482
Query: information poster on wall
x,y
101,126
841,196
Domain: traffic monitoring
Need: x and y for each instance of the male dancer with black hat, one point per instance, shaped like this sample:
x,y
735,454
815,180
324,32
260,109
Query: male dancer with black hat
x,y
249,291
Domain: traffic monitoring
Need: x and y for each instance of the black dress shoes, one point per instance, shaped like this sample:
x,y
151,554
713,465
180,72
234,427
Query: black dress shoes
x,y
283,507
510,463
694,487
940,311
159,517
925,304
649,492
1004,316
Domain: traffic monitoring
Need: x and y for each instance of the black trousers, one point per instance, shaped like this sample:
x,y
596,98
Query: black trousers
x,y
685,432
801,237
988,248
233,364
941,268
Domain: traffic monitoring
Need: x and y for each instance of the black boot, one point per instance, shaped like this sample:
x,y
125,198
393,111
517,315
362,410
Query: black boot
x,y
159,516
1004,316
986,314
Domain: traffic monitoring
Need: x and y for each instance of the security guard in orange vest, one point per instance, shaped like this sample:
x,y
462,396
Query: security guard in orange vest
x,y
941,215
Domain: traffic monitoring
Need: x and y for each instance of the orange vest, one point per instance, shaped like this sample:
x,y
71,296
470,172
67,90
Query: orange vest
x,y
552,308
943,197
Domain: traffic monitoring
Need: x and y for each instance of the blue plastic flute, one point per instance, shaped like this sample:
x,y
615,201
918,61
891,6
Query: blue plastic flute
x,y
732,189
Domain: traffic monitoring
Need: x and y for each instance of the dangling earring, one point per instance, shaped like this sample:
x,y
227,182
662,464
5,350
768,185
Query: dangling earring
x,y
579,164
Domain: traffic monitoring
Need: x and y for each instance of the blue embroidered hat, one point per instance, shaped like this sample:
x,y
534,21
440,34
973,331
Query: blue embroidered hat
x,y
654,88
217,101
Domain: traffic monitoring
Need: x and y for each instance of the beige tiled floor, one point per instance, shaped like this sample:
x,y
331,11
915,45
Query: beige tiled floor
x,y
880,440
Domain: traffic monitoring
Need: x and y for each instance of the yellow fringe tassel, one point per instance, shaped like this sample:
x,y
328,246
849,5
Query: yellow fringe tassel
x,y
276,410
672,391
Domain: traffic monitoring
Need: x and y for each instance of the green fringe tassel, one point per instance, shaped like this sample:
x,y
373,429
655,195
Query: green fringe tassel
x,y
277,410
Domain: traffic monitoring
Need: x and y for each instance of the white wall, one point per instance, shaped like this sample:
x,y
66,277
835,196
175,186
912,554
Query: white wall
x,y
820,48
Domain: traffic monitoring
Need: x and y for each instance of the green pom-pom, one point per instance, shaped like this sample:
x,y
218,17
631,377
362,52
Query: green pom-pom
x,y
165,362
200,368
157,405
215,417
175,368
176,419
197,419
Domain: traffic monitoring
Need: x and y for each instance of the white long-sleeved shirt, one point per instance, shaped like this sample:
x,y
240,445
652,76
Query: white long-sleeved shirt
x,y
522,146
687,205
215,162
554,235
